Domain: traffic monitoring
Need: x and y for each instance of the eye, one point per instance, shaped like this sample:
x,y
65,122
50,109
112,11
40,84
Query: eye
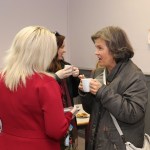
x,y
99,47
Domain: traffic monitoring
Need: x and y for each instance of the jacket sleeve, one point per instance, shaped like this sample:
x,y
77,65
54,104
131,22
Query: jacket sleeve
x,y
56,121
126,100
87,101
75,83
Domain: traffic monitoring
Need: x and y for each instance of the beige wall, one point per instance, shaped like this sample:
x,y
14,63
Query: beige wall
x,y
78,19
88,16
16,14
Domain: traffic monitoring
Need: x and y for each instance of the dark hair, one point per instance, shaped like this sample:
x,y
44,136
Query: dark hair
x,y
60,39
117,42
56,64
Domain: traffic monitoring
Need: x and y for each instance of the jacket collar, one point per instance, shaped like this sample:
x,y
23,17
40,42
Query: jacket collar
x,y
110,76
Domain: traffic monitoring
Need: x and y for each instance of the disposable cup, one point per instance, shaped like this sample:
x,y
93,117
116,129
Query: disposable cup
x,y
68,66
86,84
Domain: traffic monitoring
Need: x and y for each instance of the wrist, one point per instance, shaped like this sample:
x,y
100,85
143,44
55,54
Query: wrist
x,y
57,78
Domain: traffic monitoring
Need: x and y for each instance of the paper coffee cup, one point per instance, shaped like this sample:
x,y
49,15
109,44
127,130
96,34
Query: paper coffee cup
x,y
86,84
68,66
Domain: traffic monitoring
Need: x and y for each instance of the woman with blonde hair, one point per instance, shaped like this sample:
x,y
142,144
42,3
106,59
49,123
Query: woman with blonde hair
x,y
31,109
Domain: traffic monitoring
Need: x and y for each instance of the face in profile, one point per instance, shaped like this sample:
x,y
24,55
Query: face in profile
x,y
104,56
61,52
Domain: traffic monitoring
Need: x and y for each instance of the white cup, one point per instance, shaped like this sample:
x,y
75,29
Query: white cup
x,y
68,66
86,84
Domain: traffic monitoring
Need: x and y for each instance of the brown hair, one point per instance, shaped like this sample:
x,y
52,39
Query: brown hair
x,y
56,64
117,42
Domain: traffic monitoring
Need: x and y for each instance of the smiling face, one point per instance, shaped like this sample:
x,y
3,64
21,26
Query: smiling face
x,y
104,56
61,51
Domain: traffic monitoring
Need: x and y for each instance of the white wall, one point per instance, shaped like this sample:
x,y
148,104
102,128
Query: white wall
x,y
16,14
88,16
78,20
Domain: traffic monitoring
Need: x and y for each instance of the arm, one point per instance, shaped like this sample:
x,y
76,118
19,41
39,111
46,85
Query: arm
x,y
87,101
56,122
126,100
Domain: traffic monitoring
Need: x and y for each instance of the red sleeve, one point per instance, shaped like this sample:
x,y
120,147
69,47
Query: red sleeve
x,y
56,121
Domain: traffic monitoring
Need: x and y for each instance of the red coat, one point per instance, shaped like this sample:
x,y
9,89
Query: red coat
x,y
33,116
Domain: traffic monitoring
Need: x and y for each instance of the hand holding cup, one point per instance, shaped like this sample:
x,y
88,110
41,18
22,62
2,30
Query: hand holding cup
x,y
74,110
75,72
64,73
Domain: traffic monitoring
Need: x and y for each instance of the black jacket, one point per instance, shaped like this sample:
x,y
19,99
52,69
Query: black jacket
x,y
72,83
125,96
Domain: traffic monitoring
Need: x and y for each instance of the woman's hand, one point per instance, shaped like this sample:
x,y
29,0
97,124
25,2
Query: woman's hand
x,y
64,73
80,84
94,86
74,110
75,72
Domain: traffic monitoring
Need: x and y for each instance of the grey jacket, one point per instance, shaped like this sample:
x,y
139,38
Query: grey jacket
x,y
125,96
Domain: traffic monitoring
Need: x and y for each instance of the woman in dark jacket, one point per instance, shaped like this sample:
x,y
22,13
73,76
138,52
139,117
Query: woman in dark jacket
x,y
125,94
69,81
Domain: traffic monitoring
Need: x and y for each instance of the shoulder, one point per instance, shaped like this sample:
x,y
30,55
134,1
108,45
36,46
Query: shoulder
x,y
44,78
133,70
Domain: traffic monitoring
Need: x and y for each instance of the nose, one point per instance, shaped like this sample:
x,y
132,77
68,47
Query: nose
x,y
96,52
64,50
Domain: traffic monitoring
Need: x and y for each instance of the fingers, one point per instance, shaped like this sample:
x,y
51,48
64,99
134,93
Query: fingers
x,y
80,86
67,72
74,68
81,76
94,86
74,110
71,70
63,73
75,72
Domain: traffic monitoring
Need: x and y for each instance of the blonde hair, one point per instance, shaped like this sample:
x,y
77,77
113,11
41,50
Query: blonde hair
x,y
32,50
